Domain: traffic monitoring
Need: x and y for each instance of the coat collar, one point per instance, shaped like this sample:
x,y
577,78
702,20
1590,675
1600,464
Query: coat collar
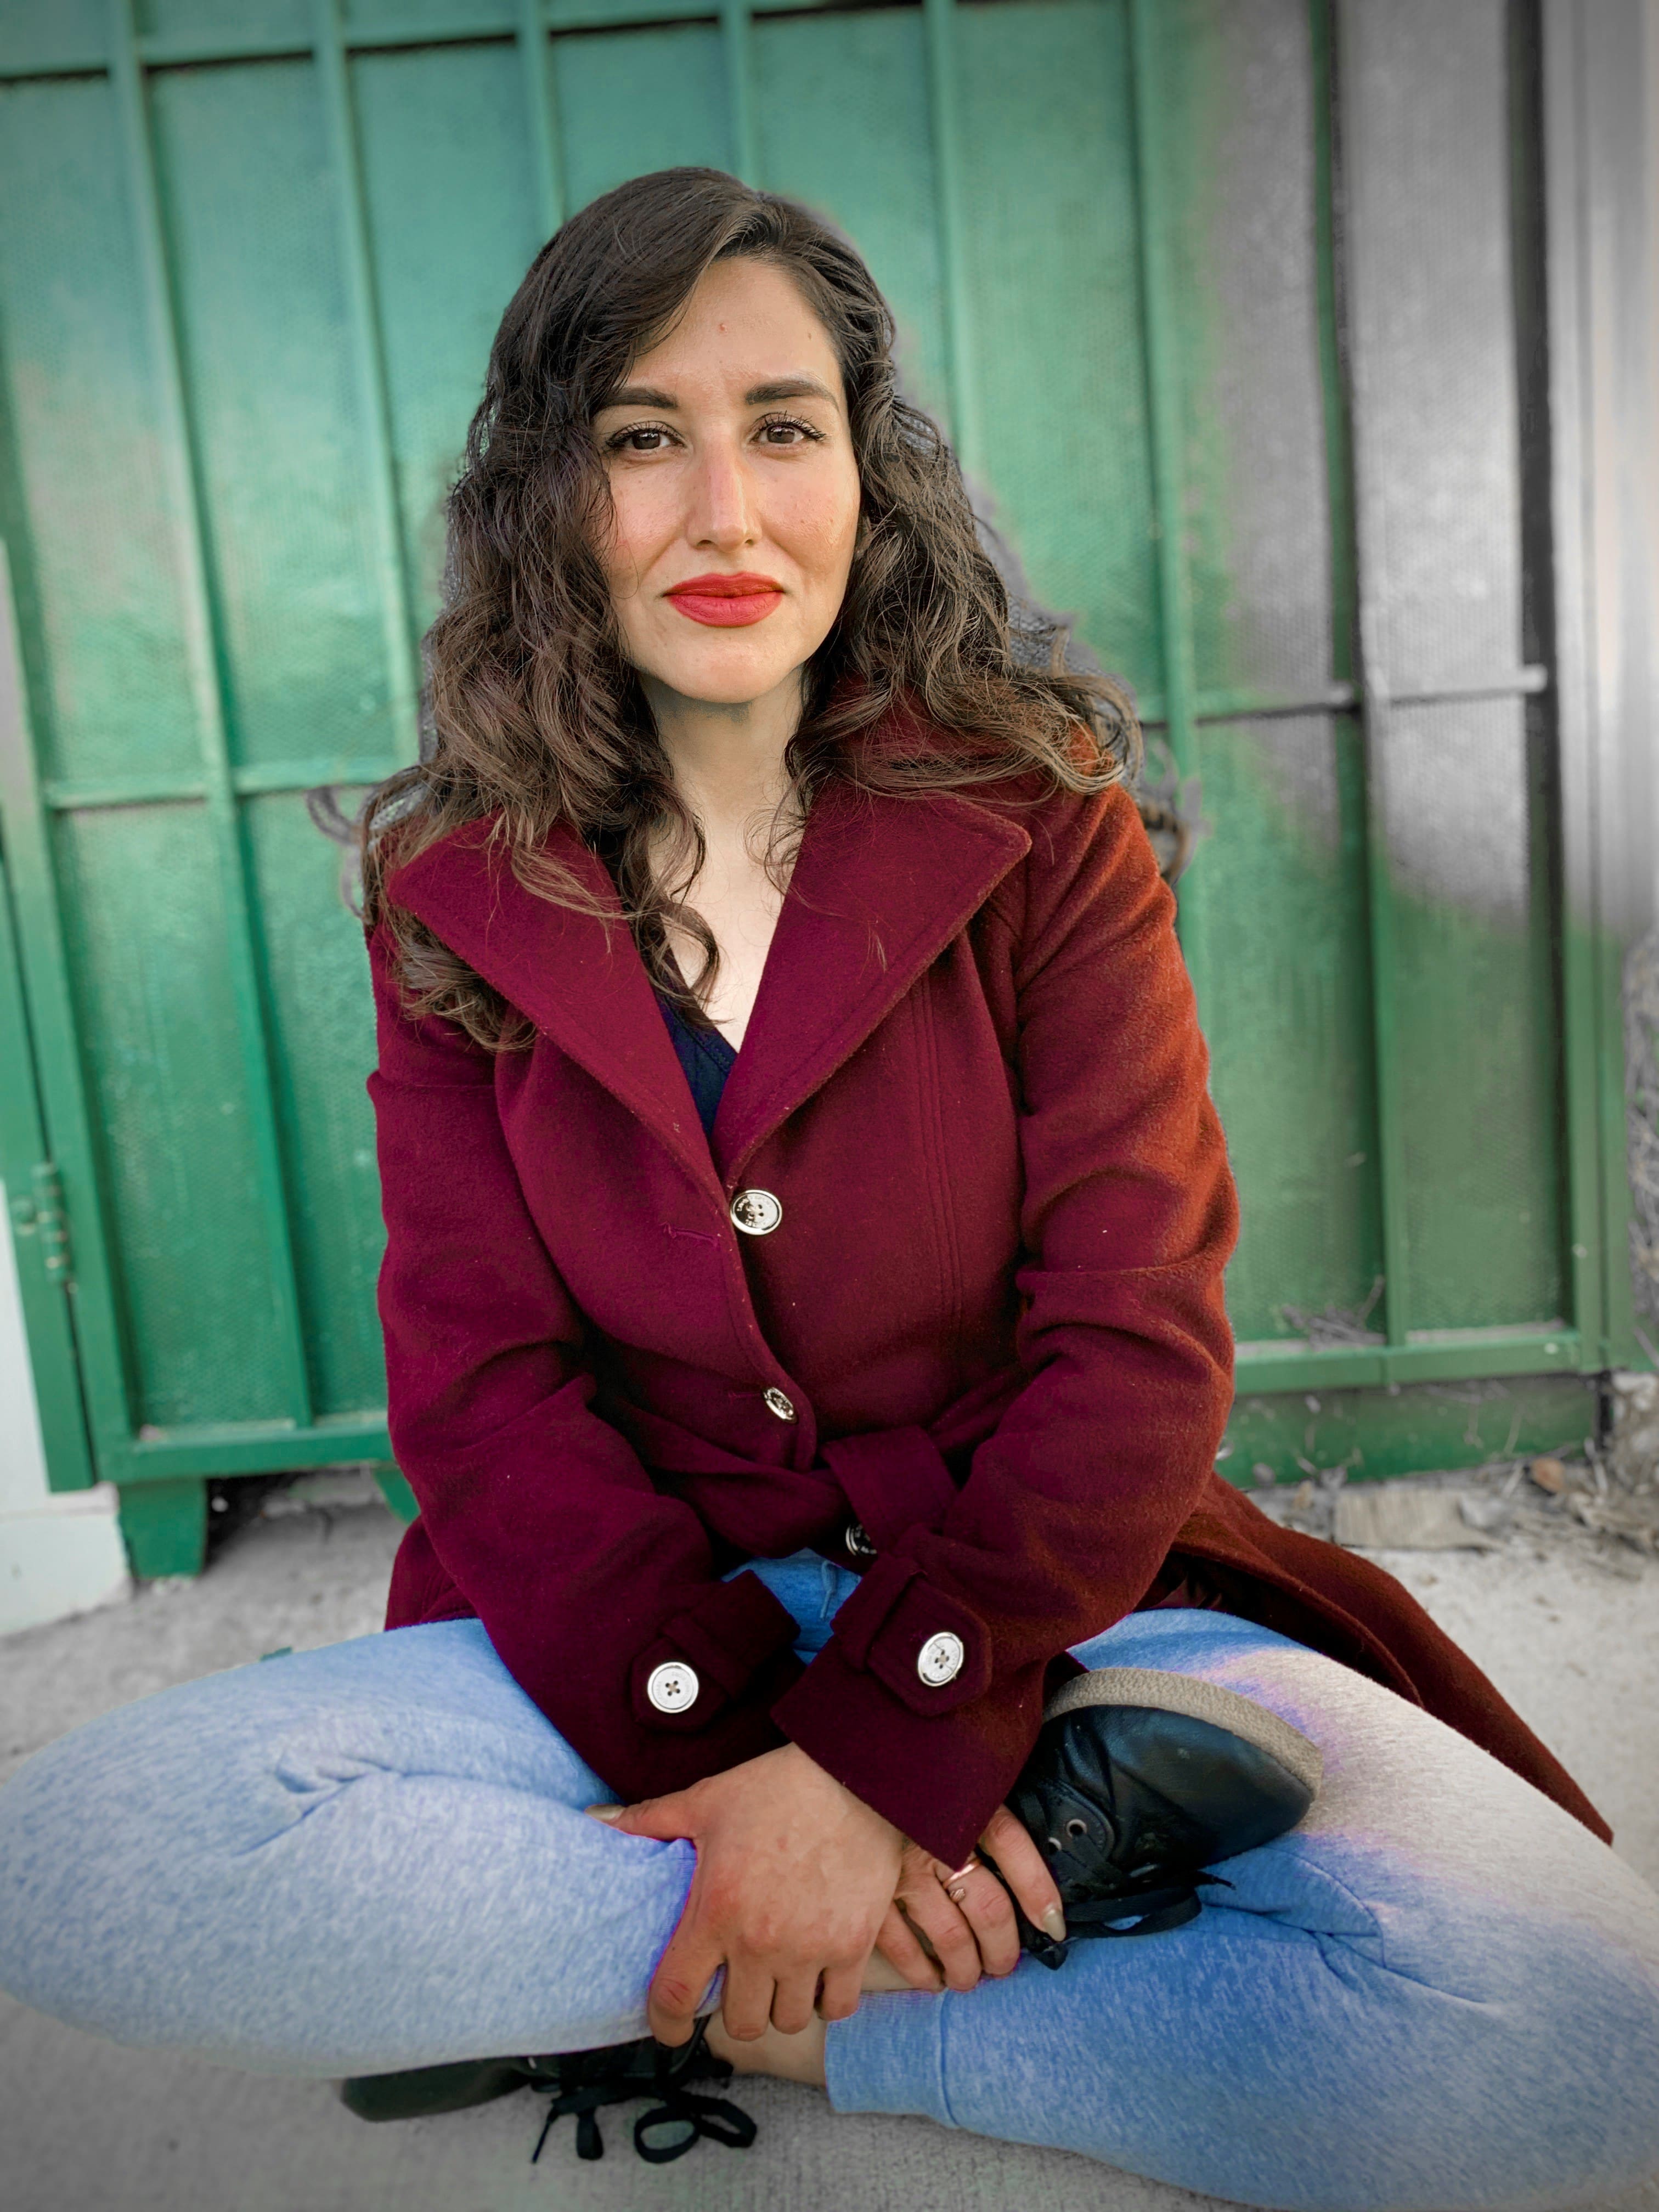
x,y
881,885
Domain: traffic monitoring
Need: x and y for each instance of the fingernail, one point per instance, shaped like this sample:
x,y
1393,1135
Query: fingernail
x,y
1054,1924
604,1812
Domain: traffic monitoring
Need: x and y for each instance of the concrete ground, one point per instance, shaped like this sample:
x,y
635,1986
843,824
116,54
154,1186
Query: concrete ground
x,y
1565,1620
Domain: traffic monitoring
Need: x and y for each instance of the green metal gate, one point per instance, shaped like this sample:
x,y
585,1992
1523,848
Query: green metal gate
x,y
1237,311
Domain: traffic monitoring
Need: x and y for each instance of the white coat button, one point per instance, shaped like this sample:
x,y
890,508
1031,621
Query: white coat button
x,y
672,1686
757,1212
775,1402
939,1661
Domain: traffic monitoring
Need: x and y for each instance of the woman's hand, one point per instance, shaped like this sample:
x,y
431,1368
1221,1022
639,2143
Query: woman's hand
x,y
794,1875
961,1916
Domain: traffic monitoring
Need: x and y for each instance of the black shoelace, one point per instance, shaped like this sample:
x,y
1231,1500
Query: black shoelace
x,y
1149,1902
674,2123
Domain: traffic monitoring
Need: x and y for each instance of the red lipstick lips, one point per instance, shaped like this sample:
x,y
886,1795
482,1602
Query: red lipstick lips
x,y
727,602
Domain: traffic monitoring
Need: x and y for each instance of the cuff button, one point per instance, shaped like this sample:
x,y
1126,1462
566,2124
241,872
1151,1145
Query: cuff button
x,y
940,1660
672,1686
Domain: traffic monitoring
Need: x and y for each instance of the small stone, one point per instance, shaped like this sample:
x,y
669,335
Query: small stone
x,y
1263,1475
1548,1474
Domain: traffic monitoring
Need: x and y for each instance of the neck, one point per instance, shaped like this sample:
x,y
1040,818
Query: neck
x,y
727,760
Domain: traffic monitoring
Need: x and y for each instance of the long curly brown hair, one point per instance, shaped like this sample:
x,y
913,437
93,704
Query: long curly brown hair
x,y
535,716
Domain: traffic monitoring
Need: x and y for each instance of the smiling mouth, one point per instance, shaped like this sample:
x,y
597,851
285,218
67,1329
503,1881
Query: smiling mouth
x,y
726,602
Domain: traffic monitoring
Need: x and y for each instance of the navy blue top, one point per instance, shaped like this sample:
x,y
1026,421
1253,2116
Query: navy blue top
x,y
706,1058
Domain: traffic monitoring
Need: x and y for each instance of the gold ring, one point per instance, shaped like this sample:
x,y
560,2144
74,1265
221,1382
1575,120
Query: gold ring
x,y
954,1884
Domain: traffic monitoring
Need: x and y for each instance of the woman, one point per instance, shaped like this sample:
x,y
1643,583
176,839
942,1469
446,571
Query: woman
x,y
803,1323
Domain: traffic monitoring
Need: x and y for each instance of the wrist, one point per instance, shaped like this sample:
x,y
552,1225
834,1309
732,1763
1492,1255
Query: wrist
x,y
829,1789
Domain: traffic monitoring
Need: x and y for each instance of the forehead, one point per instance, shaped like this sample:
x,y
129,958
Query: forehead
x,y
747,321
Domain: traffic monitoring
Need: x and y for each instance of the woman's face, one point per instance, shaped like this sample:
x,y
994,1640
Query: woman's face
x,y
735,491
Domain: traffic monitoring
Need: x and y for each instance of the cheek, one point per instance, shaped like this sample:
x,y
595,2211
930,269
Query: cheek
x,y
637,528
823,526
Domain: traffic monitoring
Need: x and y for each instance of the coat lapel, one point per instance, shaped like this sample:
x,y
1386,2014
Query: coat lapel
x,y
880,887
577,976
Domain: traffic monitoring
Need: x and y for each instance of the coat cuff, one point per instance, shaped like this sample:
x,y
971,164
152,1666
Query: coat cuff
x,y
708,1656
934,1753
937,1779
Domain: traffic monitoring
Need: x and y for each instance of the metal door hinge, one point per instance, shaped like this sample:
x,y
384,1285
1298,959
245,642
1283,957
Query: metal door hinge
x,y
39,1212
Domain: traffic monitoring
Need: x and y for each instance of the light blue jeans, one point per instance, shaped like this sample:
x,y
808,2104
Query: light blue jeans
x,y
1438,1992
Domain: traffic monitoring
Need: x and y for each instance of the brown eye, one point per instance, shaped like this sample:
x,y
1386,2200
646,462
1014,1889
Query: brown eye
x,y
786,430
641,438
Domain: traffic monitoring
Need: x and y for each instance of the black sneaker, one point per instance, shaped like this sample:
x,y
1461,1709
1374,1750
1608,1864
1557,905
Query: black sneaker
x,y
579,2082
1140,1781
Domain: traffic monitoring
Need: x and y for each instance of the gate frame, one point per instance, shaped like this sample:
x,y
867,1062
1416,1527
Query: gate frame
x,y
1595,65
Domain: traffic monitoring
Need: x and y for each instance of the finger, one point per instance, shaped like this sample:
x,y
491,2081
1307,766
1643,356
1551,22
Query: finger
x,y
1023,1866
793,2002
898,1944
933,1914
749,1995
669,1819
986,1907
840,1993
680,1983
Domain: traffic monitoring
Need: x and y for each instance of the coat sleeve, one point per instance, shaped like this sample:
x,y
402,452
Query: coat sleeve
x,y
536,1514
1071,1505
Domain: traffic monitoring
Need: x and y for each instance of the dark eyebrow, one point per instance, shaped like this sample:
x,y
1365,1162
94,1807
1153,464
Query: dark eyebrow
x,y
640,395
761,395
788,387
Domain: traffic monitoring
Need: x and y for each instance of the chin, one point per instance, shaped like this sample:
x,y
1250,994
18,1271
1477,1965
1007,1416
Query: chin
x,y
731,675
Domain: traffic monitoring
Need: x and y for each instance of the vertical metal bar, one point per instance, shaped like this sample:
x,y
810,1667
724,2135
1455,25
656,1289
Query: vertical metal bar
x,y
204,651
1570,501
398,622
944,111
1619,139
32,1187
1602,376
1339,440
29,1176
51,1317
1153,153
738,41
1367,598
537,61
1348,729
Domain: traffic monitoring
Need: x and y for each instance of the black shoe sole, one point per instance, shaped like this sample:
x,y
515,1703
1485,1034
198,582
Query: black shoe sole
x,y
420,2092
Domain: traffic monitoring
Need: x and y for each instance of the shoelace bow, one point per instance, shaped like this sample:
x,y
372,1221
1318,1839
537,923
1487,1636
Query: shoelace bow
x,y
682,2109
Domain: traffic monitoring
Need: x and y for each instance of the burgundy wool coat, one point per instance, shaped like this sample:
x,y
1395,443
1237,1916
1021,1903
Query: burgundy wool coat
x,y
986,1329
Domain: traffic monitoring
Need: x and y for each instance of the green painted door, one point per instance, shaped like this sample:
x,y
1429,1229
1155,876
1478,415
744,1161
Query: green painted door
x,y
1234,307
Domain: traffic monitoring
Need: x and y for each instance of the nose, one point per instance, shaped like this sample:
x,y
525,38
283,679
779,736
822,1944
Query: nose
x,y
722,514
